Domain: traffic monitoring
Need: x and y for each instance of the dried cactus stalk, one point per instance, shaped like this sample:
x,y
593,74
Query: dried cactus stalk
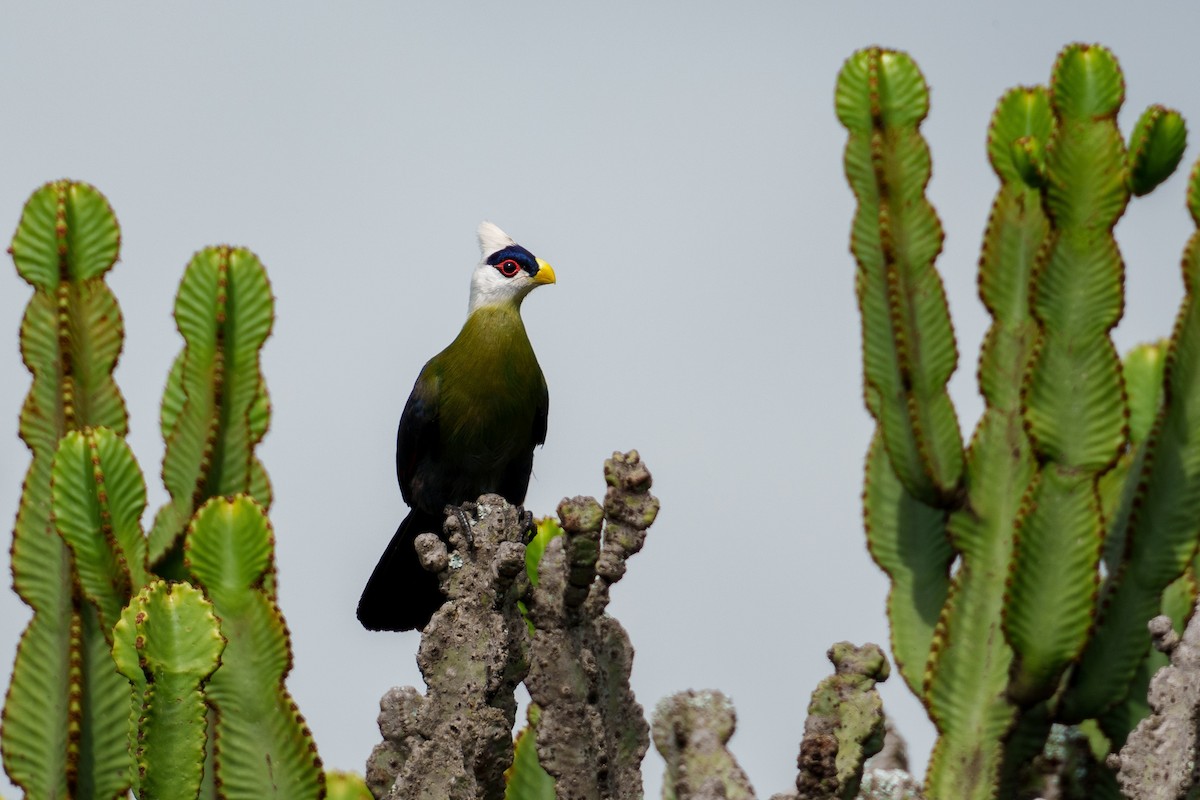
x,y
592,736
456,742
691,730
844,726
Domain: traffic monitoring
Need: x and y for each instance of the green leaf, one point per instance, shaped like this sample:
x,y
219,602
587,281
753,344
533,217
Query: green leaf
x,y
104,755
1143,373
1143,369
526,779
968,671
36,718
547,529
341,785
968,674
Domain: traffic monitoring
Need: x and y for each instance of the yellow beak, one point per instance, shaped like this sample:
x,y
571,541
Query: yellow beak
x,y
545,273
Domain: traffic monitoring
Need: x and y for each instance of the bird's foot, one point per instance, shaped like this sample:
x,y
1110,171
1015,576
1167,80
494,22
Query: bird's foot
x,y
528,526
464,522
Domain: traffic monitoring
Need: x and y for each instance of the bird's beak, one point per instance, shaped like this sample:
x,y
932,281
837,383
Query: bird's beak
x,y
545,273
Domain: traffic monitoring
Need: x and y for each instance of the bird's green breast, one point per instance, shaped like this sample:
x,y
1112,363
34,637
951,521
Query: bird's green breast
x,y
489,385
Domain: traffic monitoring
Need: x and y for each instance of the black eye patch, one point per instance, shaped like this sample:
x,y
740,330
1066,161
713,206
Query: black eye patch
x,y
518,254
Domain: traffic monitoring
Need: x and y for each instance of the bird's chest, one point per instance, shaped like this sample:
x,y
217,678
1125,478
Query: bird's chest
x,y
490,393
490,417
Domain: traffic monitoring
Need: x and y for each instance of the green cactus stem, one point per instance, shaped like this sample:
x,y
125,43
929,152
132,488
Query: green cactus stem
x,y
167,644
1074,397
971,659
54,736
1159,510
909,351
1155,148
908,541
99,497
263,747
1057,473
215,408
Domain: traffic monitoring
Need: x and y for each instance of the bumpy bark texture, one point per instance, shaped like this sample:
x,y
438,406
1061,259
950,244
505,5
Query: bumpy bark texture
x,y
690,731
844,725
591,736
886,776
456,741
1161,757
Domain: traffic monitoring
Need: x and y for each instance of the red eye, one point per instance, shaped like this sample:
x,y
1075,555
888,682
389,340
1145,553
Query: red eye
x,y
508,267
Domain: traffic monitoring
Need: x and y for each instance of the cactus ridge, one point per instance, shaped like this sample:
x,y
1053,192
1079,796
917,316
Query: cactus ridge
x,y
909,350
263,747
215,408
1074,396
1158,514
71,335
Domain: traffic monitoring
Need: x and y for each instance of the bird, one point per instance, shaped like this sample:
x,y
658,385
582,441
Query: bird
x,y
475,414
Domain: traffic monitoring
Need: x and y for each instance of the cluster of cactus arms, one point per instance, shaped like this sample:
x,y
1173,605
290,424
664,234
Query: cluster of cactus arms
x,y
532,614
1072,516
122,680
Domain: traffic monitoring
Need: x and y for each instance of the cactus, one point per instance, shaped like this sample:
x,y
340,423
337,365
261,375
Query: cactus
x,y
592,737
215,406
1063,472
690,732
511,617
167,644
68,728
61,733
263,747
844,726
1158,760
456,742
98,499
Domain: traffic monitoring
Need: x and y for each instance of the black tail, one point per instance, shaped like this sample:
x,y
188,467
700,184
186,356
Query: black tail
x,y
400,595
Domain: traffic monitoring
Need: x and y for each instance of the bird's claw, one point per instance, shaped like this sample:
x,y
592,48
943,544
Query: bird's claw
x,y
528,526
464,523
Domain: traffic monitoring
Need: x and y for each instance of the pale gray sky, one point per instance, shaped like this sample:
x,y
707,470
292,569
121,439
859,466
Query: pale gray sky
x,y
680,166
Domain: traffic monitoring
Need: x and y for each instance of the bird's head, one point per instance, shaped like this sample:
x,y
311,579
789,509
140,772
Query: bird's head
x,y
506,272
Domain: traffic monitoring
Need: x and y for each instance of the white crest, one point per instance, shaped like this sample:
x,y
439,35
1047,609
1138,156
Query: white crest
x,y
492,239
488,286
